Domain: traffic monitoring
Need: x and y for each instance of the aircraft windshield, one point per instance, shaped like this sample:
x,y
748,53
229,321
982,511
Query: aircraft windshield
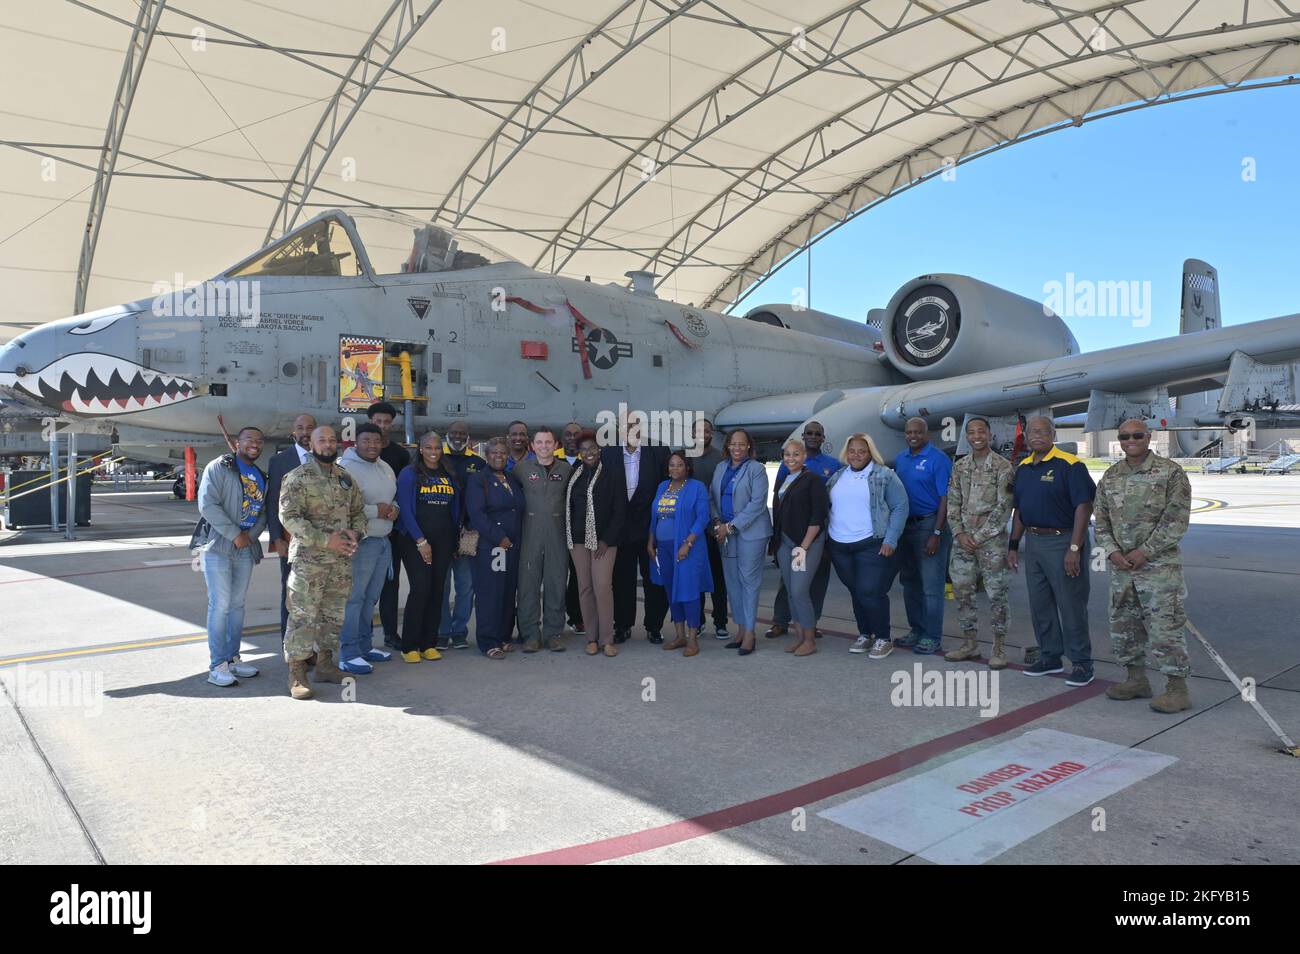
x,y
320,248
402,244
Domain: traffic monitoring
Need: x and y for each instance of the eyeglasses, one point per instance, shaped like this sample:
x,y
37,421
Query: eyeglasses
x,y
1133,437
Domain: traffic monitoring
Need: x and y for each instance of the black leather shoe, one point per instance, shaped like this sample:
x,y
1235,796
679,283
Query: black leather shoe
x,y
654,636
622,635
734,644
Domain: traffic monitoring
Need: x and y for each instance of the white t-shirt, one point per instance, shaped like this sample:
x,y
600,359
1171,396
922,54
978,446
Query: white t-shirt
x,y
851,506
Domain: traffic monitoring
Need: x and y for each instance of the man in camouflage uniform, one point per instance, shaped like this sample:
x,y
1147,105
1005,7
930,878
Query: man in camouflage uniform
x,y
979,505
322,507
1142,509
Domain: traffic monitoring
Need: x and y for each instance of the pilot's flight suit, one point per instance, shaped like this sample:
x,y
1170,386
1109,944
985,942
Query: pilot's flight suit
x,y
543,557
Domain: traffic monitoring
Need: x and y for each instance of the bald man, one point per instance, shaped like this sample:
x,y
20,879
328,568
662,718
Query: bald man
x,y
1053,494
286,460
1144,503
322,507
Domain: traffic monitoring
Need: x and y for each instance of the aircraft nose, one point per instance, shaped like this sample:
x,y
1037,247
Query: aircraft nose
x,y
81,365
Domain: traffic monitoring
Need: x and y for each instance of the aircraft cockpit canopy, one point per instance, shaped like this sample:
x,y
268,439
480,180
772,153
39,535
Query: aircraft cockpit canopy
x,y
319,248
344,244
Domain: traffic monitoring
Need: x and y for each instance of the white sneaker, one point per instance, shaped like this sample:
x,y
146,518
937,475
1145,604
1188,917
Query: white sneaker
x,y
860,645
243,670
221,676
881,648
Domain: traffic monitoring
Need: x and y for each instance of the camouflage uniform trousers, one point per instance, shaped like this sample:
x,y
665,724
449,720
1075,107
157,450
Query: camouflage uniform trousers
x,y
1146,613
988,562
316,596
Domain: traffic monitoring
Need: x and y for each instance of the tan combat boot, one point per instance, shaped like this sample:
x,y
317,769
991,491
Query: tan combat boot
x,y
1174,698
327,669
998,654
1134,687
298,687
969,649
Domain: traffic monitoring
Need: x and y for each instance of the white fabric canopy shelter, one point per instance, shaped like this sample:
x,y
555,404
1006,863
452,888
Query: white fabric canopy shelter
x,y
705,141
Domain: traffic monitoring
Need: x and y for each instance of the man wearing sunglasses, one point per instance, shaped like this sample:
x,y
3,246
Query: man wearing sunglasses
x,y
1142,508
823,465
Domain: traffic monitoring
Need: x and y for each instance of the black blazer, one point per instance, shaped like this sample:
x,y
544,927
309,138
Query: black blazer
x,y
281,464
609,500
654,470
806,504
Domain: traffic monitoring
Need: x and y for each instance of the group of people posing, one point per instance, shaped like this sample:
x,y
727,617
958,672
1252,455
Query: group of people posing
x,y
549,532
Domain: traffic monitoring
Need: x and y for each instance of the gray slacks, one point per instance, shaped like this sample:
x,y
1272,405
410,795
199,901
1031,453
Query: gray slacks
x,y
1058,603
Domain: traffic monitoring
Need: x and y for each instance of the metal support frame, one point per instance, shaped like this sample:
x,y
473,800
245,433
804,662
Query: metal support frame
x,y
70,515
343,107
578,74
971,142
137,54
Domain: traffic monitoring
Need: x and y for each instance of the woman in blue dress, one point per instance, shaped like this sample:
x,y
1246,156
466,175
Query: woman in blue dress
x,y
679,561
494,503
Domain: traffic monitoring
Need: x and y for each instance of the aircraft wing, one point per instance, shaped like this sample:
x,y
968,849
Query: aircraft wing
x,y
1182,364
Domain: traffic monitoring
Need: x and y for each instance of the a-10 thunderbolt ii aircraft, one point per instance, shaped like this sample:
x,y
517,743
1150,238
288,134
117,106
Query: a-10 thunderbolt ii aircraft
x,y
487,339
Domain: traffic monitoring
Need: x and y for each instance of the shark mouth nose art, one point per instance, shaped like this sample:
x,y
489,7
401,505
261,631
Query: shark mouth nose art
x,y
101,384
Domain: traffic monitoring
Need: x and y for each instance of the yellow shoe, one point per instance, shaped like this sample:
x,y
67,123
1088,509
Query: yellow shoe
x,y
431,654
411,657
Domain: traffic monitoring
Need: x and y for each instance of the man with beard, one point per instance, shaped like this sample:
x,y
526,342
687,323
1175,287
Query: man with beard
x,y
281,464
323,509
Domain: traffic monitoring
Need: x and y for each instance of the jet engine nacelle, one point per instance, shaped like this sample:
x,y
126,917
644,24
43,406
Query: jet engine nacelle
x,y
938,326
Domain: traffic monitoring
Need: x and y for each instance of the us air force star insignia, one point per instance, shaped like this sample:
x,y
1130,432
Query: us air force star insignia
x,y
603,349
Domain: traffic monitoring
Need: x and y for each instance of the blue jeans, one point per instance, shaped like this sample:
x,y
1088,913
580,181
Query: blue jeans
x,y
457,623
923,577
227,578
868,576
370,568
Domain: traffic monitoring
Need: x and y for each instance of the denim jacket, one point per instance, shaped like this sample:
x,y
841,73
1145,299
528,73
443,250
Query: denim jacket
x,y
221,493
889,503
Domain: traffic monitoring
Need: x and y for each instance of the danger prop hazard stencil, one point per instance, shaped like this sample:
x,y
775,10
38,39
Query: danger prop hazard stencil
x,y
973,809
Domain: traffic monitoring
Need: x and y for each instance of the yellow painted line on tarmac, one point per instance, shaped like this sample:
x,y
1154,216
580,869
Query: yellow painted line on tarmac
x,y
1210,505
124,647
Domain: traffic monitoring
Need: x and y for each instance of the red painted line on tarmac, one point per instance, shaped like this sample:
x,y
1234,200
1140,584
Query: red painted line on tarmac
x,y
782,802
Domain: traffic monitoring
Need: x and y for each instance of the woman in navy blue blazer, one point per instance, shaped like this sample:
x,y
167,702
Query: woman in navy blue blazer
x,y
494,504
741,525
679,517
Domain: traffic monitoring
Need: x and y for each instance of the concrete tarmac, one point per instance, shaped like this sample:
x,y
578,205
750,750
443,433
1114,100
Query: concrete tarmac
x,y
117,749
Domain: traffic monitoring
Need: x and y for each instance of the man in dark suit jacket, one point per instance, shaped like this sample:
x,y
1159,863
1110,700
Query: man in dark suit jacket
x,y
283,462
648,465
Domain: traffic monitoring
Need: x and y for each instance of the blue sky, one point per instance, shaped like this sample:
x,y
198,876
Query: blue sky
x,y
1126,198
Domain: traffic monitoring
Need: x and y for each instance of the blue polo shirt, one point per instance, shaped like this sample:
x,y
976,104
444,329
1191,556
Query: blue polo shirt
x,y
1047,492
823,465
510,461
925,477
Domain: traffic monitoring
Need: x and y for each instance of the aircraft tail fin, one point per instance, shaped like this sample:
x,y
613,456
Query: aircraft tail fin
x,y
1199,311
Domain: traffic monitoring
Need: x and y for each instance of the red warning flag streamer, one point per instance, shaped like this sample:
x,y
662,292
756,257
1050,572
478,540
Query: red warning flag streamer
x,y
580,323
681,337
525,303
1019,449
